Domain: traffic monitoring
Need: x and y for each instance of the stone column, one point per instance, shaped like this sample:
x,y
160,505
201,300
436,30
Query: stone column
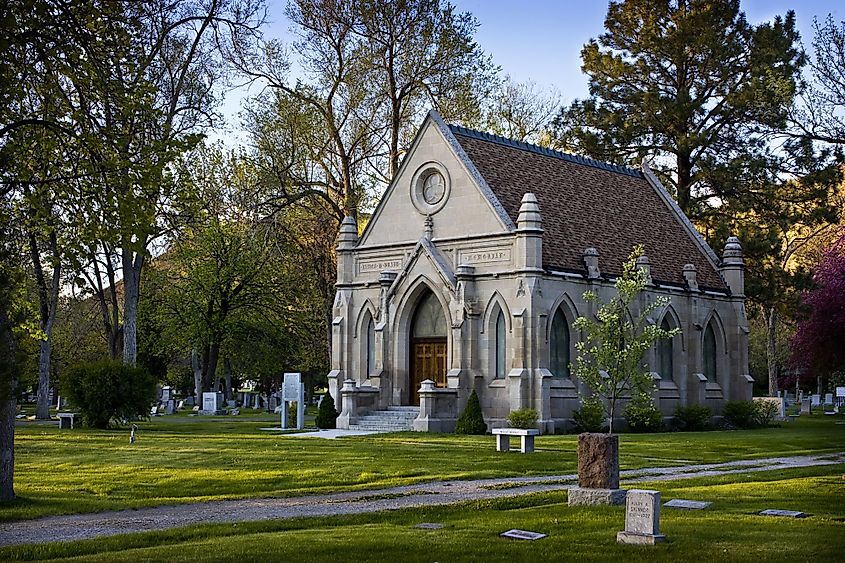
x,y
349,405
598,471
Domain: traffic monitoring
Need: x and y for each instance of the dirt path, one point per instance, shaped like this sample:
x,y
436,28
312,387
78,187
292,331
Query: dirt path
x,y
86,526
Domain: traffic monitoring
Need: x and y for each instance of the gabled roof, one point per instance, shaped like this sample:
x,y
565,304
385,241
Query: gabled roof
x,y
586,203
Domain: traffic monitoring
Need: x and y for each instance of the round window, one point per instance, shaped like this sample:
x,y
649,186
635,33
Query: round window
x,y
430,188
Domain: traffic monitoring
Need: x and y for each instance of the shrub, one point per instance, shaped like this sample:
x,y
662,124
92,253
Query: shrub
x,y
108,390
590,417
643,416
693,418
766,411
293,407
740,414
326,414
523,418
471,420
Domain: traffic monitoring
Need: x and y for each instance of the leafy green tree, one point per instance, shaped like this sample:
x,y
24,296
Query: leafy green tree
x,y
610,356
689,85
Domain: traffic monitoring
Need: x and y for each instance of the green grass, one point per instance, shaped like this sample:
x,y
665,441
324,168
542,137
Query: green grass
x,y
730,530
182,459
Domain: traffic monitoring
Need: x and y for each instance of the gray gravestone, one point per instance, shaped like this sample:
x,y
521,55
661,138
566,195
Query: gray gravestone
x,y
817,400
522,535
785,513
687,504
429,526
642,518
805,407
211,402
293,391
598,471
170,407
828,398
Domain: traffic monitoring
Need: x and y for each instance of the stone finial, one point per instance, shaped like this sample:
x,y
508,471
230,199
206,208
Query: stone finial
x,y
733,251
387,277
591,260
428,231
733,267
464,271
347,237
529,213
690,275
644,264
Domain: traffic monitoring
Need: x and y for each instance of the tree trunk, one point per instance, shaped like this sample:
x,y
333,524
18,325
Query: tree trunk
x,y
42,405
771,350
684,184
211,364
132,264
227,370
196,365
8,404
49,305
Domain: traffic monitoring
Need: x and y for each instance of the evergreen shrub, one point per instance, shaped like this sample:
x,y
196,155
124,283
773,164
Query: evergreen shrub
x,y
693,418
643,416
326,414
471,420
523,418
740,414
590,417
108,391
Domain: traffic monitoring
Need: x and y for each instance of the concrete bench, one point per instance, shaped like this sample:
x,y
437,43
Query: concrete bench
x,y
526,438
67,419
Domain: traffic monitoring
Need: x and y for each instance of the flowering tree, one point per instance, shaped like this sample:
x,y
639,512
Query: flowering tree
x,y
819,343
610,357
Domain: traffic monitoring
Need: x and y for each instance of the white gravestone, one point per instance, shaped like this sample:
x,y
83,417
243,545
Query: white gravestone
x,y
522,535
817,400
840,391
293,390
211,402
828,398
642,518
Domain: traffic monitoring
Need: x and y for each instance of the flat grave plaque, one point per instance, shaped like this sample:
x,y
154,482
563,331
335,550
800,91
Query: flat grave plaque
x,y
429,526
785,513
522,535
687,504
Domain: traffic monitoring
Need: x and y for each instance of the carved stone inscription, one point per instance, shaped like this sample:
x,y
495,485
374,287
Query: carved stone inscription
x,y
484,256
642,514
379,265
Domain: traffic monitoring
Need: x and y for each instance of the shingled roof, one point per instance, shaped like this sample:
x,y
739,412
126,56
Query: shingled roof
x,y
586,203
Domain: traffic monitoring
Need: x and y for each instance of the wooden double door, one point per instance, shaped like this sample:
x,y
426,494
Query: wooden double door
x,y
428,361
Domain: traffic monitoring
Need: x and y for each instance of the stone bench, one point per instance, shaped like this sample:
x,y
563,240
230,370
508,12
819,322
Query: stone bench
x,y
67,419
526,436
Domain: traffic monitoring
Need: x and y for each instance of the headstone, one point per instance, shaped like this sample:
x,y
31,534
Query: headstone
x,y
166,393
235,412
840,391
293,391
196,408
598,461
598,471
170,407
180,404
154,410
687,504
190,401
779,405
429,526
642,518
817,400
522,535
806,408
785,513
828,398
231,404
212,402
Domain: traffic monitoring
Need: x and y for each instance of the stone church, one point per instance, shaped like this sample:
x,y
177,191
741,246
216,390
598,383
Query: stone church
x,y
471,271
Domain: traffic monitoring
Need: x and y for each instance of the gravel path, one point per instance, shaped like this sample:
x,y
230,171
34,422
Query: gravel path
x,y
86,526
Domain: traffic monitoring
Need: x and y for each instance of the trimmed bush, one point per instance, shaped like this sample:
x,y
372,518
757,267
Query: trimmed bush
x,y
471,420
693,418
590,417
523,418
326,414
643,416
740,414
109,391
766,413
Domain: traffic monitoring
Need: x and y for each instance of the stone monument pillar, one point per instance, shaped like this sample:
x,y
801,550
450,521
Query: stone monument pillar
x,y
598,471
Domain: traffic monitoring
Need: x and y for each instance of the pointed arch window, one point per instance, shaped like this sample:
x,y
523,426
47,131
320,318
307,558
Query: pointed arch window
x,y
559,346
710,364
665,353
371,345
501,345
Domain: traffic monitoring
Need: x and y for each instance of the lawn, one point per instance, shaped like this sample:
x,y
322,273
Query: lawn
x,y
730,530
182,459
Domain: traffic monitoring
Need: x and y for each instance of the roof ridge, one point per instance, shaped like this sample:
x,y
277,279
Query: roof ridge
x,y
521,145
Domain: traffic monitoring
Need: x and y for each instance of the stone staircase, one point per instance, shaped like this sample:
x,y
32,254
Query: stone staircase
x,y
394,419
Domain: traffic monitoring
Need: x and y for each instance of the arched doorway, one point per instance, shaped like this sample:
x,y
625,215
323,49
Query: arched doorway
x,y
427,345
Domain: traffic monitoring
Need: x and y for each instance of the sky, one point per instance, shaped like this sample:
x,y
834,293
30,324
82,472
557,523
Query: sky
x,y
541,40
